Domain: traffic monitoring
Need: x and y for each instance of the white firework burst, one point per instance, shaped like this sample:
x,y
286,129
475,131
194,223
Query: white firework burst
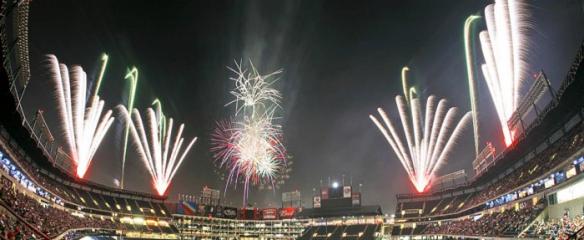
x,y
250,148
253,90
161,154
429,136
504,45
80,120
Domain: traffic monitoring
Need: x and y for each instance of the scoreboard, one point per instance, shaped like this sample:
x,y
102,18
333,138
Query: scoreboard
x,y
337,197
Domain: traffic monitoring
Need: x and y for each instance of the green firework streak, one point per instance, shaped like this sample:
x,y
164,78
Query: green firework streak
x,y
104,61
131,75
472,84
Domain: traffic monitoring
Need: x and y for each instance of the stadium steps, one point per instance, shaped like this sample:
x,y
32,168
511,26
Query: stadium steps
x,y
370,230
431,205
135,207
103,201
447,207
527,229
420,229
96,197
464,202
578,234
307,234
337,233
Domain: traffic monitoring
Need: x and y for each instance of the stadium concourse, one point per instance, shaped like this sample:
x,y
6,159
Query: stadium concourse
x,y
534,189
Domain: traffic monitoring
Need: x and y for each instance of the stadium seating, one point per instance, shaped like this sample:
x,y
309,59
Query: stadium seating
x,y
48,208
556,228
355,231
535,168
507,223
46,218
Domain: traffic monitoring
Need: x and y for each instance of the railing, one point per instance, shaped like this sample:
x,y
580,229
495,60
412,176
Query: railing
x,y
14,41
20,219
570,78
64,234
575,235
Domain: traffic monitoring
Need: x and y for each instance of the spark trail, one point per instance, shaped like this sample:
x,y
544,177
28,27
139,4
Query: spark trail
x,y
132,77
430,135
104,61
162,156
80,120
250,147
503,46
472,83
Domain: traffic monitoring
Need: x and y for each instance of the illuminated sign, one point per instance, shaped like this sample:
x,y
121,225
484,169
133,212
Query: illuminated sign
x,y
316,202
571,192
571,172
346,191
549,183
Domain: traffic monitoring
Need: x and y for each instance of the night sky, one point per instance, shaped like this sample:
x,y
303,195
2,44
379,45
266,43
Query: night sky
x,y
341,60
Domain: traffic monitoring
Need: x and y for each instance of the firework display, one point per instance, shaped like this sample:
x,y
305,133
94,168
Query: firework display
x,y
250,147
104,61
81,117
472,83
503,47
430,135
132,76
161,154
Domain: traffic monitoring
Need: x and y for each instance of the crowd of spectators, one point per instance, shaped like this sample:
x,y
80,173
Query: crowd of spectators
x,y
540,164
47,219
506,223
536,167
34,173
561,228
11,229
